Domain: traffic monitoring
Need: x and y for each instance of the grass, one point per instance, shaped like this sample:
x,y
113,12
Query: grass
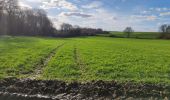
x,y
89,58
138,35
20,55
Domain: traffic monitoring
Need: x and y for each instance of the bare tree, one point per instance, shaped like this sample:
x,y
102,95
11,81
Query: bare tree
x,y
34,22
23,21
11,7
1,15
168,29
165,31
43,23
163,28
66,27
1,7
128,31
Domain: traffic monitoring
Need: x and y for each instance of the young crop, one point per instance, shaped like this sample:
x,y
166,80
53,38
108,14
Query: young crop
x,y
86,59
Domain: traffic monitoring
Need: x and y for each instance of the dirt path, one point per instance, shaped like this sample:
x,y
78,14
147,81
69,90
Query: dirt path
x,y
44,63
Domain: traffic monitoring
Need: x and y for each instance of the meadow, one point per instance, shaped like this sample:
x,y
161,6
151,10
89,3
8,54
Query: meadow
x,y
137,35
85,59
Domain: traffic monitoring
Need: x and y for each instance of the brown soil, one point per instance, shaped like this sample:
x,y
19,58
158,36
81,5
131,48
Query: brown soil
x,y
26,89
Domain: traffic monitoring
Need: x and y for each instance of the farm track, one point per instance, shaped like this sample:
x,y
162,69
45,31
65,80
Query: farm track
x,y
44,63
79,62
18,89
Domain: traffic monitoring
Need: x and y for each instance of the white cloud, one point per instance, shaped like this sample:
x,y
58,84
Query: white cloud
x,y
159,9
24,5
60,4
48,4
98,18
76,14
144,17
55,21
145,12
102,18
33,1
165,14
93,5
94,15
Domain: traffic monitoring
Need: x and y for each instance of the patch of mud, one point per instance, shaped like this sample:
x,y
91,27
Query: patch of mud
x,y
16,89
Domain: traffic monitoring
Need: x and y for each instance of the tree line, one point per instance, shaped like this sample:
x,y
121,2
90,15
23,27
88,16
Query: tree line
x,y
15,20
68,30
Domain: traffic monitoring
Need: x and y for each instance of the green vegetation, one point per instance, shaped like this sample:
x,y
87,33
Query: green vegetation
x,y
138,35
88,58
21,55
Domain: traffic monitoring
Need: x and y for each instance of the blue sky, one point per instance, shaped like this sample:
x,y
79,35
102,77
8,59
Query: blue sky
x,y
112,15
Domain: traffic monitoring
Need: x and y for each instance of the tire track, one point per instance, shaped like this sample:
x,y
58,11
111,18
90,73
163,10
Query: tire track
x,y
79,62
44,63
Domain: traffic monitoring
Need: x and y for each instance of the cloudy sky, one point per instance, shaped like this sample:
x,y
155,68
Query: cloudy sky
x,y
113,15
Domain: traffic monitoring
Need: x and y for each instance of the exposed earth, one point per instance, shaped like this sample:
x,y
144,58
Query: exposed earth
x,y
27,89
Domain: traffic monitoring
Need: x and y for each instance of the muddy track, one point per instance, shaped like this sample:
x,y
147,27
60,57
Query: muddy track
x,y
78,60
44,63
16,89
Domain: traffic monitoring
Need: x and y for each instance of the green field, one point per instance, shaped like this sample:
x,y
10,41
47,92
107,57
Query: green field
x,y
85,59
138,35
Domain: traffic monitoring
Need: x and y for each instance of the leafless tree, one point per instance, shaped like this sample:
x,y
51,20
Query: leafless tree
x,y
165,31
1,7
15,20
18,21
66,27
163,28
11,7
128,31
168,29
